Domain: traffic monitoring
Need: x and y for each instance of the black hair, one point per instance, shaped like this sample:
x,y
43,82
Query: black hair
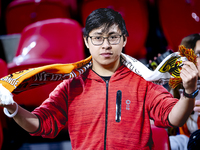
x,y
106,17
190,40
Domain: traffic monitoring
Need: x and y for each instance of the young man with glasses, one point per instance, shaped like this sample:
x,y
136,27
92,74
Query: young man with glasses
x,y
109,106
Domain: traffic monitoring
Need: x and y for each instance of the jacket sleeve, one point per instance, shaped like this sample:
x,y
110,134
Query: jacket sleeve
x,y
159,104
52,113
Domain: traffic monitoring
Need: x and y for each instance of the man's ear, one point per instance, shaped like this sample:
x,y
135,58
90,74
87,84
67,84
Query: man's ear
x,y
86,42
125,41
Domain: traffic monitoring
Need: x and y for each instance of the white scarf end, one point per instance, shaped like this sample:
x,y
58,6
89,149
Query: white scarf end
x,y
6,96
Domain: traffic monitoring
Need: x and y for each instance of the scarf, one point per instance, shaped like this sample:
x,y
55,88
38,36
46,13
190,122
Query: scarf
x,y
167,71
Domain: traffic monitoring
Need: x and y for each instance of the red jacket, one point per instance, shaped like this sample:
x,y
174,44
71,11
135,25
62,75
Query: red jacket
x,y
98,118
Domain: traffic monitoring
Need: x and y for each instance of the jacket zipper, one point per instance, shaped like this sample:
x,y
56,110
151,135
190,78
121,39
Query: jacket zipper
x,y
118,106
106,116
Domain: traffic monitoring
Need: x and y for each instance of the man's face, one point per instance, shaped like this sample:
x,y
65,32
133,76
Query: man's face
x,y
197,51
106,54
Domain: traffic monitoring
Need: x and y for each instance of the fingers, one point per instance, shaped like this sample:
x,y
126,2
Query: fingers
x,y
189,76
191,64
189,70
188,73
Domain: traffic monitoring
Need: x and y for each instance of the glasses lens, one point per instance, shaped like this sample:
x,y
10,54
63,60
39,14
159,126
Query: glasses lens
x,y
114,39
198,55
97,40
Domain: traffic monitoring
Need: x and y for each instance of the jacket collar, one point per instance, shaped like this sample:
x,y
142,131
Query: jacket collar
x,y
121,72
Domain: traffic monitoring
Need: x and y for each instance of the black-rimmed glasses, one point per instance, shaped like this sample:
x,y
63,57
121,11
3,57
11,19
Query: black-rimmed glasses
x,y
112,39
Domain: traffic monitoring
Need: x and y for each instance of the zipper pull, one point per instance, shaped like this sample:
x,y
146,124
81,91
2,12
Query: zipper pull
x,y
118,106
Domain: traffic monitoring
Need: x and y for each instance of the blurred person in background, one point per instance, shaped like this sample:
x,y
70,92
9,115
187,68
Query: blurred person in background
x,y
180,141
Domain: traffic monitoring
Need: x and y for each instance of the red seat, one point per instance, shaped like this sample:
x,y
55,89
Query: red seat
x,y
160,138
3,72
46,42
21,13
1,131
3,68
179,18
135,14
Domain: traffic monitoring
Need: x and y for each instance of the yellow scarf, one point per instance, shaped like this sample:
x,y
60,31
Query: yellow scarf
x,y
30,78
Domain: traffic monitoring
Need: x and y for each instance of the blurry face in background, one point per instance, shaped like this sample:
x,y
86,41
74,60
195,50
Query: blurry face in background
x,y
197,51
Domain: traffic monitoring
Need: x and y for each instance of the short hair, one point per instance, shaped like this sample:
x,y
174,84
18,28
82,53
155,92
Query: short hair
x,y
190,40
104,16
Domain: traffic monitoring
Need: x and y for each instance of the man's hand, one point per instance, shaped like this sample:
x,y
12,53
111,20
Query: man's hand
x,y
189,76
183,108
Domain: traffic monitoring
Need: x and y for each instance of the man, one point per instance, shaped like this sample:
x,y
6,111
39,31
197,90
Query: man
x,y
109,106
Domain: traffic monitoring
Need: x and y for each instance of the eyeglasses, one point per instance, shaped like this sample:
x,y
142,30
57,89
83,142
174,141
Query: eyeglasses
x,y
112,39
198,55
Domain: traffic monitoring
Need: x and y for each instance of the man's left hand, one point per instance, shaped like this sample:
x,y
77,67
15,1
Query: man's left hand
x,y
189,76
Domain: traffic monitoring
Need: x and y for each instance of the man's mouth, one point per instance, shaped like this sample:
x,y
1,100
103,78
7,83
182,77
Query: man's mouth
x,y
106,54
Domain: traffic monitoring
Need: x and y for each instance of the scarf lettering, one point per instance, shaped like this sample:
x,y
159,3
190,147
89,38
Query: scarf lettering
x,y
11,81
45,76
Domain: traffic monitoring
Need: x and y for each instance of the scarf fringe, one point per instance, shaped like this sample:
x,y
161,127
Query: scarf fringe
x,y
191,56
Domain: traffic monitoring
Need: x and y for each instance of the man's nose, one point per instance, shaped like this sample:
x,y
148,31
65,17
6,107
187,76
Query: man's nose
x,y
106,43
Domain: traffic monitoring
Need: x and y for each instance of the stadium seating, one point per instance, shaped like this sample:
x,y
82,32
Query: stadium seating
x,y
46,42
160,138
42,43
178,19
21,13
